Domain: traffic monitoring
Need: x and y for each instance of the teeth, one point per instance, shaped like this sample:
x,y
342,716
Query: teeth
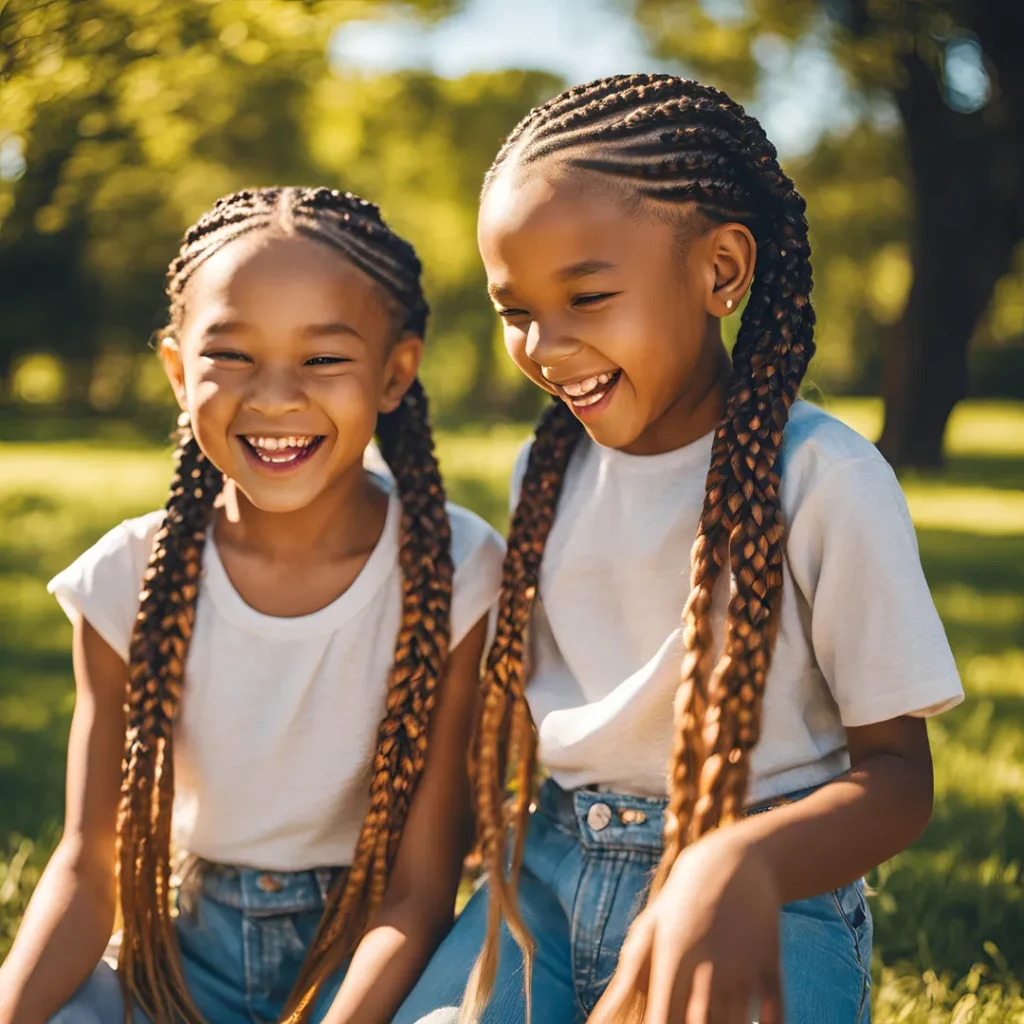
x,y
580,387
589,399
276,444
584,387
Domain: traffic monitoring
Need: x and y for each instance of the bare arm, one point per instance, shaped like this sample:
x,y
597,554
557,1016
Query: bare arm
x,y
69,919
420,900
708,942
854,824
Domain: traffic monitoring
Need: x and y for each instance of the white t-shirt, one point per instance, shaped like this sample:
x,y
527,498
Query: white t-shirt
x,y
859,640
278,723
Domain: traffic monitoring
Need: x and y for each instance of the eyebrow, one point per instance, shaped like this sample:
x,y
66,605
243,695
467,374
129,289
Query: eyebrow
x,y
571,273
219,327
584,269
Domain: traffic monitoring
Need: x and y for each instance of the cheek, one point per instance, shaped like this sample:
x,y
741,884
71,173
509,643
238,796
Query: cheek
x,y
349,400
212,397
515,346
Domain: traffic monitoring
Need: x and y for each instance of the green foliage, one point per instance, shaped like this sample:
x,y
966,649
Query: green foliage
x,y
949,912
136,116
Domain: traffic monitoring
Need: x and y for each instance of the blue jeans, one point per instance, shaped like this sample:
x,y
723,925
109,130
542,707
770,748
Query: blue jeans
x,y
243,937
589,858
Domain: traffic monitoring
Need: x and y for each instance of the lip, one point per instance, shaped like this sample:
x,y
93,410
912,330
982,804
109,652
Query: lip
x,y
304,456
586,413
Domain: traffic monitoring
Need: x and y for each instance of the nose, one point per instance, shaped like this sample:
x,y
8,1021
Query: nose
x,y
547,347
276,392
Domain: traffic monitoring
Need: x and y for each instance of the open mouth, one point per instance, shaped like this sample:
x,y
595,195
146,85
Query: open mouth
x,y
588,392
280,453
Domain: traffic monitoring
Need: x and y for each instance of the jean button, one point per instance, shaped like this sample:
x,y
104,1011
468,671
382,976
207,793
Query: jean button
x,y
268,883
599,817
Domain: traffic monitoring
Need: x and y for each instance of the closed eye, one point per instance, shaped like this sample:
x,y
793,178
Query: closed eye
x,y
593,298
227,357
326,360
512,314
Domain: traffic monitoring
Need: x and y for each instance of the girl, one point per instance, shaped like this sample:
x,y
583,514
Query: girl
x,y
620,222
265,694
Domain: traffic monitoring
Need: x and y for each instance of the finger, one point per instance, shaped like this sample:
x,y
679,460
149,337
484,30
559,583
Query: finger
x,y
617,1004
771,998
694,1003
669,988
614,1005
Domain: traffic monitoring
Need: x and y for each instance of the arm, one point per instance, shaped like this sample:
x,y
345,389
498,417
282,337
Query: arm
x,y
69,919
853,824
420,899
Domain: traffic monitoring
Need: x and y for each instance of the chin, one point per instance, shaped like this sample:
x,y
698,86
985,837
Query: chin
x,y
280,501
612,435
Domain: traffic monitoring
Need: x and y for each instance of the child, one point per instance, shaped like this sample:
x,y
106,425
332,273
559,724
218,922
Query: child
x,y
620,222
290,649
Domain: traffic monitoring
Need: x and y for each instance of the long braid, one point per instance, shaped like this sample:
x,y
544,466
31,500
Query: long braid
x,y
672,140
420,655
150,965
159,646
505,732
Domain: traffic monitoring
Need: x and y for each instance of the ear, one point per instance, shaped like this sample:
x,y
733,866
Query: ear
x,y
400,371
733,254
170,356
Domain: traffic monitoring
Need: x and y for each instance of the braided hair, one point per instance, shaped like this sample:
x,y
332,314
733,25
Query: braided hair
x,y
658,137
149,964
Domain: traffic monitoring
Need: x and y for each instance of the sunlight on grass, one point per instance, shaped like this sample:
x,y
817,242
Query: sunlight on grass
x,y
949,912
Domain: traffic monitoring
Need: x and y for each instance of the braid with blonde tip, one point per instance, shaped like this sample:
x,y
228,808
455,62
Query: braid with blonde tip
x,y
150,965
671,140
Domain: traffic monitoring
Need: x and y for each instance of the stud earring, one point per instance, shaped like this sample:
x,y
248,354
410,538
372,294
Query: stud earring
x,y
184,420
728,303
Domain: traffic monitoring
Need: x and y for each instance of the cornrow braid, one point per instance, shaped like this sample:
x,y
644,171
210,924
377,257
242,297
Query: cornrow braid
x,y
149,965
672,140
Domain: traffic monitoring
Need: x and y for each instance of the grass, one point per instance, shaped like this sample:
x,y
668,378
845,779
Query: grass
x,y
949,912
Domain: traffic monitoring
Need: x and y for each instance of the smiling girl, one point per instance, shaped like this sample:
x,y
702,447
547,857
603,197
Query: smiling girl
x,y
287,701
719,786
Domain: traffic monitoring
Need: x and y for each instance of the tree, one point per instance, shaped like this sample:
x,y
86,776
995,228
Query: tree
x,y
964,149
133,116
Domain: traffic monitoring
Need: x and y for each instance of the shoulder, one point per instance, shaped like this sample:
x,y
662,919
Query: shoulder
x,y
127,544
823,461
102,585
473,538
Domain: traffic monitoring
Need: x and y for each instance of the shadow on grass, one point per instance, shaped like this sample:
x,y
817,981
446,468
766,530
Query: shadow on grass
x,y
960,886
1001,472
989,565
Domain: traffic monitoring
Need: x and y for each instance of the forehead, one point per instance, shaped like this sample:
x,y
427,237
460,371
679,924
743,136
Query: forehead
x,y
549,218
268,275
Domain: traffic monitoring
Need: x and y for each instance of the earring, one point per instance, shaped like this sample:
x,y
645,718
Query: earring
x,y
728,303
184,420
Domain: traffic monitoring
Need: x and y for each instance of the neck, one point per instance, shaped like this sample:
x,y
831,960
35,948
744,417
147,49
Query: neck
x,y
695,411
345,519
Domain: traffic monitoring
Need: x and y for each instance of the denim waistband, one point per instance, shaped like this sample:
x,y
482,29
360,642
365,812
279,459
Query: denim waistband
x,y
622,820
261,892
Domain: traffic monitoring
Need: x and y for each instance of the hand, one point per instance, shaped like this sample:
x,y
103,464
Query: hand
x,y
705,947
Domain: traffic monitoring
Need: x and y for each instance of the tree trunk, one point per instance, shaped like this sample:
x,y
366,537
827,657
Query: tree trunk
x,y
968,174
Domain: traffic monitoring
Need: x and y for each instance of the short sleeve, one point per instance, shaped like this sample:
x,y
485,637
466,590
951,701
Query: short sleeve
x,y
477,551
102,585
877,636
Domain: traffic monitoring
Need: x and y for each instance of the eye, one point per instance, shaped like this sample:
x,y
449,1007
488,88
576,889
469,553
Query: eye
x,y
221,356
592,299
512,314
326,360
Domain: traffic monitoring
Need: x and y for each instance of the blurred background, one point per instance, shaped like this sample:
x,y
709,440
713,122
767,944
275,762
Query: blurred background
x,y
902,123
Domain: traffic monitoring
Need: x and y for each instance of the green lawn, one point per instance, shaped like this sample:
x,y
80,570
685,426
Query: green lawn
x,y
949,913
